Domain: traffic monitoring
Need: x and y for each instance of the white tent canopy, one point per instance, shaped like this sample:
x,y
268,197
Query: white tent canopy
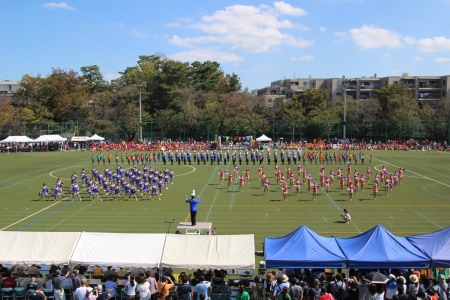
x,y
79,139
209,252
16,139
49,138
129,249
96,137
37,247
119,249
264,138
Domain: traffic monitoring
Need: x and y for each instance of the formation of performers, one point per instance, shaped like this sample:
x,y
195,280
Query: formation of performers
x,y
121,184
226,156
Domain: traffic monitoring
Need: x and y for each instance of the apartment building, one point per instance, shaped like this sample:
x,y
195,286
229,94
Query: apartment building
x,y
427,89
8,87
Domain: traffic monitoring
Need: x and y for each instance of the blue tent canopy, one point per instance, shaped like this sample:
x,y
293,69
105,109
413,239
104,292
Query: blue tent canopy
x,y
378,248
303,248
436,245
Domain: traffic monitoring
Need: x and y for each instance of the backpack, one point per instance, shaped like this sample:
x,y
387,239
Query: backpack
x,y
340,293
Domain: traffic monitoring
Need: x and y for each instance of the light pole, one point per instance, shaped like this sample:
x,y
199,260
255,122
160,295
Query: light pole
x,y
344,95
139,86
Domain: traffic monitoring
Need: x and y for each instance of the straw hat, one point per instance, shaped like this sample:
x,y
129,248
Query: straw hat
x,y
414,278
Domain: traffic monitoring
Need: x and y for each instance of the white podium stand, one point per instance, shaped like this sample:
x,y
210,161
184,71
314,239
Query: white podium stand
x,y
199,228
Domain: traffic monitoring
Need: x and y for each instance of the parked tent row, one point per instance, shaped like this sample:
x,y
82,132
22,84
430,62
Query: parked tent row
x,y
49,138
129,249
375,248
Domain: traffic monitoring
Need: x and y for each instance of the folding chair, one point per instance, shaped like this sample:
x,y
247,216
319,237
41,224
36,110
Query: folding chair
x,y
49,294
7,294
20,293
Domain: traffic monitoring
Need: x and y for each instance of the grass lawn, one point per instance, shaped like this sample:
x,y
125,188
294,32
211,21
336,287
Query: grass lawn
x,y
420,204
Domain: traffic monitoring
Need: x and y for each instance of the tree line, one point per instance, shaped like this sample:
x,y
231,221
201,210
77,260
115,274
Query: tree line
x,y
181,100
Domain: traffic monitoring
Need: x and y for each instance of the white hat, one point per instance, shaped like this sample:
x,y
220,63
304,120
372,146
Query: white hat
x,y
193,193
89,289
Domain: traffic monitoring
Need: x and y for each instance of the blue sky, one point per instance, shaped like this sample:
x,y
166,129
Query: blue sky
x,y
261,41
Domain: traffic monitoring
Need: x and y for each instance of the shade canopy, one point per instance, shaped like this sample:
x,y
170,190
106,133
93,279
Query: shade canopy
x,y
263,138
18,247
16,139
129,249
378,248
96,137
123,249
303,248
436,245
209,251
50,138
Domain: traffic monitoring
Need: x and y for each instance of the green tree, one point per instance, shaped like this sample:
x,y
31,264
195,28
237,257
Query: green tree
x,y
93,79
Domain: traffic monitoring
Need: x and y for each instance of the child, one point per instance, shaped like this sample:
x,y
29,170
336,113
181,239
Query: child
x,y
346,216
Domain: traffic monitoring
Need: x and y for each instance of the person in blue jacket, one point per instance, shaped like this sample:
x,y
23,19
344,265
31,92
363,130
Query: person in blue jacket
x,y
193,205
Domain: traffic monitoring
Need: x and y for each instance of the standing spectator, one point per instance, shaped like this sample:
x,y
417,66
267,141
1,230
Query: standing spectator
x,y
257,289
164,286
143,288
202,287
76,280
296,291
38,294
184,290
153,284
242,294
111,287
130,287
81,291
58,285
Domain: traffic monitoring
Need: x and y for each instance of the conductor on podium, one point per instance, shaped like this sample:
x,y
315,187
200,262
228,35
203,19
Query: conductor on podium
x,y
193,204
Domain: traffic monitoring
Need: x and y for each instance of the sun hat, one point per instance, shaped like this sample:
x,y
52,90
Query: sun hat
x,y
414,278
284,278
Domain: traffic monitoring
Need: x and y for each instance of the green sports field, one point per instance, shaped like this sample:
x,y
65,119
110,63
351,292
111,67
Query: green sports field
x,y
420,204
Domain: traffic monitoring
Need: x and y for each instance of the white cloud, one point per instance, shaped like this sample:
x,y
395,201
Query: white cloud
x,y
179,23
418,58
302,58
442,59
205,55
322,29
434,44
139,34
370,37
248,28
386,55
58,5
287,9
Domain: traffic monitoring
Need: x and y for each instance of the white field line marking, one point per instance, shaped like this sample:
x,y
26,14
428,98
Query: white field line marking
x,y
212,205
30,215
429,220
83,208
423,176
51,173
193,170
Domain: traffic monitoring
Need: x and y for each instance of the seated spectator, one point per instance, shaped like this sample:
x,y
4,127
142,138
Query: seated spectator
x,y
32,285
97,271
34,271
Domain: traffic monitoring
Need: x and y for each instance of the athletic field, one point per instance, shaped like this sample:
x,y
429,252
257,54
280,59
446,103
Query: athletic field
x,y
420,204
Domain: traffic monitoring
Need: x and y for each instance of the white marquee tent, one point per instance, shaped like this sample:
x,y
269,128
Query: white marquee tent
x,y
119,249
263,138
96,137
16,139
37,247
50,138
128,249
209,252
